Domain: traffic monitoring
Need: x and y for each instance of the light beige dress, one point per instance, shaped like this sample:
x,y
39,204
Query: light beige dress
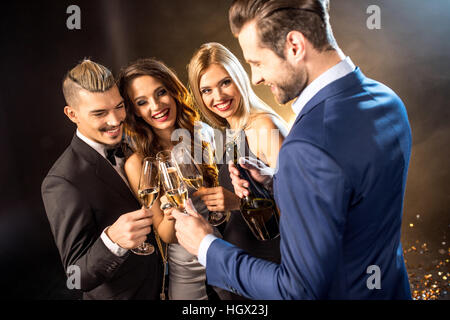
x,y
187,277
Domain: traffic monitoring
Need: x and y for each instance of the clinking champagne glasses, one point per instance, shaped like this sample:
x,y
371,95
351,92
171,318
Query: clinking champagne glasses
x,y
148,191
190,172
175,189
192,175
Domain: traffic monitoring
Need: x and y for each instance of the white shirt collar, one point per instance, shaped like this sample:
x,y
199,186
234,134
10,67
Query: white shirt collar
x,y
100,148
336,72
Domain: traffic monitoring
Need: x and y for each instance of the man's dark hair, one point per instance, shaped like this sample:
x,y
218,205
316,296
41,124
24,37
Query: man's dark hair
x,y
276,18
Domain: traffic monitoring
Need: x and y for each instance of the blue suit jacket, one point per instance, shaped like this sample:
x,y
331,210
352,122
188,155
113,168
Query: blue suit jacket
x,y
339,187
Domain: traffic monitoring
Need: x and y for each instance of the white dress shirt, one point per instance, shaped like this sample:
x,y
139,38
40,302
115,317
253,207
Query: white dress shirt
x,y
101,149
336,72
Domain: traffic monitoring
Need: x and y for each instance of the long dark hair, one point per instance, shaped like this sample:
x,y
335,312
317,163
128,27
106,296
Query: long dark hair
x,y
144,139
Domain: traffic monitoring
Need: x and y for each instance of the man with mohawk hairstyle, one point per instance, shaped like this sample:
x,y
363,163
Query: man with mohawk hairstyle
x,y
94,217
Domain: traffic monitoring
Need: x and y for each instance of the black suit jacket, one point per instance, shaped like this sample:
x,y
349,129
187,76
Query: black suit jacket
x,y
83,194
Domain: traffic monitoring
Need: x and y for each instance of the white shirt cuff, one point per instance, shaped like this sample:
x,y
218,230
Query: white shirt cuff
x,y
113,247
203,248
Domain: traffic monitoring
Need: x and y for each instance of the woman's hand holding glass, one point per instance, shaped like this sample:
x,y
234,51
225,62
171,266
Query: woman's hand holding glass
x,y
219,199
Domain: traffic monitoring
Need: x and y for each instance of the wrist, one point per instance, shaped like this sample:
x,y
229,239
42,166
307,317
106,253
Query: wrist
x,y
110,234
115,248
203,248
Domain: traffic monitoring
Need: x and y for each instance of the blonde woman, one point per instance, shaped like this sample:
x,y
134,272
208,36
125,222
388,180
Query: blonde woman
x,y
223,94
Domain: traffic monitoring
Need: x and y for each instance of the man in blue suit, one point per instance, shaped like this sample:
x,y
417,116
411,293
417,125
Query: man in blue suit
x,y
342,168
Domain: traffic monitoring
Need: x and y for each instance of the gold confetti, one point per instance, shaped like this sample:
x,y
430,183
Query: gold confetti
x,y
428,273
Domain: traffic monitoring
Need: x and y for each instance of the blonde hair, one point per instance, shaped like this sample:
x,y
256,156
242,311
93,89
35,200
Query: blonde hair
x,y
89,76
216,53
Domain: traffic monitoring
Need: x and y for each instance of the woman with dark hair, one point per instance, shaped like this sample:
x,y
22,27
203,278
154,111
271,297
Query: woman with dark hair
x,y
157,104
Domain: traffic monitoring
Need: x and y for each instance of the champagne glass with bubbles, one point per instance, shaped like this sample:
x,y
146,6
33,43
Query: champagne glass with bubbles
x,y
148,192
175,190
191,174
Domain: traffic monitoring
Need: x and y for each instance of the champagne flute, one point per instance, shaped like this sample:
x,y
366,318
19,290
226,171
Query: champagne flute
x,y
148,192
175,189
215,218
192,175
190,172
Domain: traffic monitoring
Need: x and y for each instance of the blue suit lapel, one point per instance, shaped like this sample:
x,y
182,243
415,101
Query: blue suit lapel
x,y
354,78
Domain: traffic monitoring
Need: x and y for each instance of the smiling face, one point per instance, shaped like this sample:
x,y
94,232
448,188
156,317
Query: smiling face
x,y
99,115
153,103
285,81
218,91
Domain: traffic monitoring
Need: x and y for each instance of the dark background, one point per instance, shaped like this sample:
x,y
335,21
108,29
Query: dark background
x,y
410,54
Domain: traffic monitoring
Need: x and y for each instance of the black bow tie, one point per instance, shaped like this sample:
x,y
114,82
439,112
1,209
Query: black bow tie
x,y
114,152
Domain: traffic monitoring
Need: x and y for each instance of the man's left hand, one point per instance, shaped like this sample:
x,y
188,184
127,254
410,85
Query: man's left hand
x,y
190,228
